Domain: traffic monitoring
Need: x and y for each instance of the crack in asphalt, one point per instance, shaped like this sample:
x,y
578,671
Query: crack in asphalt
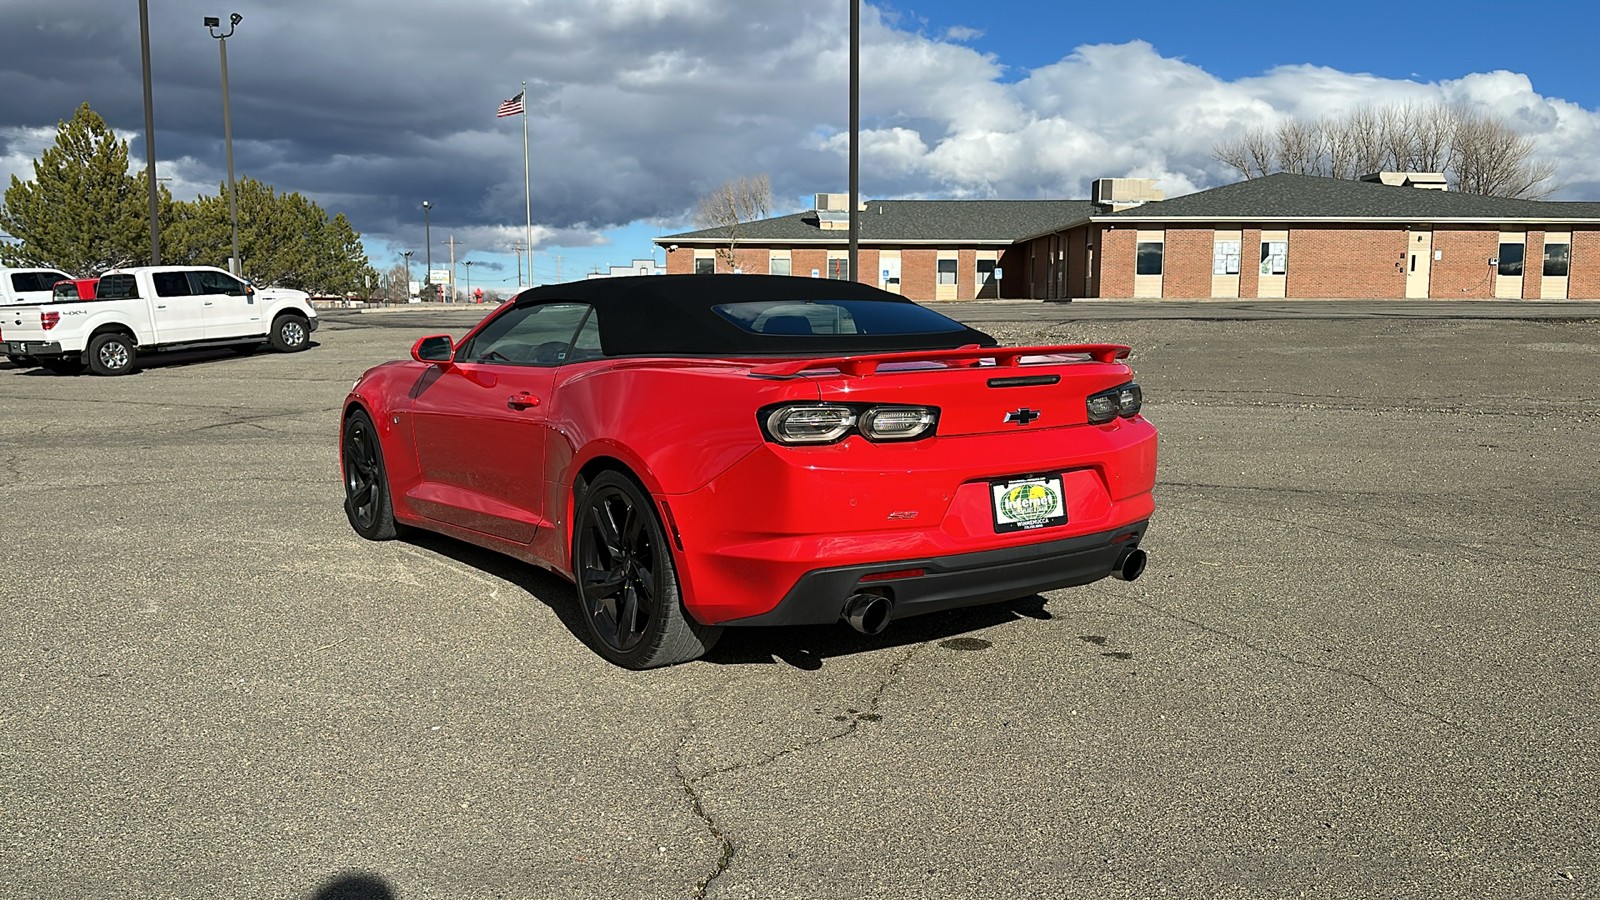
x,y
1308,664
690,784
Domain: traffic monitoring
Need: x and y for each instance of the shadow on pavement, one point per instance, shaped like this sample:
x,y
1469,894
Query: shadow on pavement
x,y
801,646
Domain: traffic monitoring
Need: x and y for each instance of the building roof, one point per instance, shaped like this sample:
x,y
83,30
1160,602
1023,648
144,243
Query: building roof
x,y
966,222
1285,196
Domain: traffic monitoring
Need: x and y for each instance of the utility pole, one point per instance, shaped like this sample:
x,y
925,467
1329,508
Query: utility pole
x,y
517,246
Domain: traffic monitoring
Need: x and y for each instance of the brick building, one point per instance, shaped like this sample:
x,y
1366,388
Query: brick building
x,y
1288,236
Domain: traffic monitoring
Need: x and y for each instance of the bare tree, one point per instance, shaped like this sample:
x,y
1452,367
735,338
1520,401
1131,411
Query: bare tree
x,y
1300,147
1253,153
394,283
731,205
1479,154
1488,157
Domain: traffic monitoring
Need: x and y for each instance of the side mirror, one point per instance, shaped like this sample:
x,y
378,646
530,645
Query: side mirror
x,y
249,290
434,349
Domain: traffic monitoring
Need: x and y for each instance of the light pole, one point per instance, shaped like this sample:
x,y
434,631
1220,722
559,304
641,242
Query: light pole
x,y
468,264
407,255
149,134
427,238
212,24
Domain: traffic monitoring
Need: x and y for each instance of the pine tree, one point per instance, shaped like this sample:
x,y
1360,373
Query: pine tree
x,y
82,211
285,240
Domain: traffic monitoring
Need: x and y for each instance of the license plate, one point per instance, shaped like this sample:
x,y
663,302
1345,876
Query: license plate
x,y
1028,501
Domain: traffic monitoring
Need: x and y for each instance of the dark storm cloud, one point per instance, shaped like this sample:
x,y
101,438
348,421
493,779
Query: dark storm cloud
x,y
370,107
638,107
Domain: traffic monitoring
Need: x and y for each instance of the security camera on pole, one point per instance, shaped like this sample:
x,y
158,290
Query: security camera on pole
x,y
212,23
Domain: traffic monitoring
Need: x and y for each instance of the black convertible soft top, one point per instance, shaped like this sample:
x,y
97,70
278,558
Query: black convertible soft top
x,y
676,315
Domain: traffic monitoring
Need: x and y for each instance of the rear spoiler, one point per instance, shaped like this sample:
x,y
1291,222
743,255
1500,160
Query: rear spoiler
x,y
867,364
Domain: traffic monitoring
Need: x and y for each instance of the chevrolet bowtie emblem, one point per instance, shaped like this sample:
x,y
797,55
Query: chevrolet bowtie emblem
x,y
1023,416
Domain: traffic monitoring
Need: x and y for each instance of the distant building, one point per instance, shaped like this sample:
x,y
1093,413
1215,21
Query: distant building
x,y
1391,234
637,267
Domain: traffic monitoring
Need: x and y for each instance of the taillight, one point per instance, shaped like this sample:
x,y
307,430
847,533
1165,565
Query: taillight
x,y
1124,400
49,319
829,423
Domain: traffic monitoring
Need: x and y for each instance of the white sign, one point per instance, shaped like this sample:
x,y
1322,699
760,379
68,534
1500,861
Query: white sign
x,y
439,276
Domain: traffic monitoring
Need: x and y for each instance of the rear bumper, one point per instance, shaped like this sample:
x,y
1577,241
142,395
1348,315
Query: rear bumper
x,y
951,582
782,524
30,348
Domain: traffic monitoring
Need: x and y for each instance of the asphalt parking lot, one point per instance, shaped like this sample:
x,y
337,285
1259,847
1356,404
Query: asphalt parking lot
x,y
1361,664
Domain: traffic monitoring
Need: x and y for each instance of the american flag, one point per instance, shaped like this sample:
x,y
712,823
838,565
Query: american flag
x,y
512,107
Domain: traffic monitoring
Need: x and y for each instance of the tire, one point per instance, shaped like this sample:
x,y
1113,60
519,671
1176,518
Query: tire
x,y
367,503
290,333
63,365
112,354
627,583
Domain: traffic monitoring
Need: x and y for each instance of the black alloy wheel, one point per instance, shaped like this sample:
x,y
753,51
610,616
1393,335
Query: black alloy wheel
x,y
366,482
627,582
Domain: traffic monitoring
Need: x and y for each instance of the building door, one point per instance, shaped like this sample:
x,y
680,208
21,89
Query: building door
x,y
889,271
1419,262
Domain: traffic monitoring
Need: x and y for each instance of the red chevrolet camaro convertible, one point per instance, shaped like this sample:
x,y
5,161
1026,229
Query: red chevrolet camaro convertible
x,y
702,451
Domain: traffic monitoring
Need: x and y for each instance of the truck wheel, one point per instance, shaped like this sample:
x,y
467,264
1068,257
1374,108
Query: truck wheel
x,y
289,333
112,354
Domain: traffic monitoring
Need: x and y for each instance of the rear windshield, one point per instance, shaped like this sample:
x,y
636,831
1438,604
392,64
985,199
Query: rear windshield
x,y
117,287
831,317
66,290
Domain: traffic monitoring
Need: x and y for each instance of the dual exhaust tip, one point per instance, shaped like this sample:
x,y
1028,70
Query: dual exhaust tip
x,y
869,613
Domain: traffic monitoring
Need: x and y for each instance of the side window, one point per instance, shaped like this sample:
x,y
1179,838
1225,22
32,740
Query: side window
x,y
587,343
527,335
208,282
171,284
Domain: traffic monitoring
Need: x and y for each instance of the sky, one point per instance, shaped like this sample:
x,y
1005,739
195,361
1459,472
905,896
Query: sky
x,y
638,108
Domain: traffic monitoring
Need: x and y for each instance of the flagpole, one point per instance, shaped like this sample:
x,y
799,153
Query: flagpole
x,y
527,181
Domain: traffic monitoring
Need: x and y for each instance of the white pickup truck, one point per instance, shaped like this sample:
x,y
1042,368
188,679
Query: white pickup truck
x,y
24,286
152,308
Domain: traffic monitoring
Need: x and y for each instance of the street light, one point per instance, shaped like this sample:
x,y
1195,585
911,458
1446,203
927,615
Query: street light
x,y
407,255
427,238
468,264
149,135
212,24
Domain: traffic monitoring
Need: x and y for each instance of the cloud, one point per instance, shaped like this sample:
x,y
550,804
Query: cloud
x,y
638,107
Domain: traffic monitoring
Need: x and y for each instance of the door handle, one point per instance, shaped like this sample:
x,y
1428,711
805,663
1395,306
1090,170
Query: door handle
x,y
522,400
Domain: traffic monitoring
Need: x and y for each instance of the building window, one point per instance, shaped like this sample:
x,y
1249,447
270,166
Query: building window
x,y
947,271
1557,257
1511,259
1148,258
780,265
986,269
705,265
839,268
1274,257
1225,258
